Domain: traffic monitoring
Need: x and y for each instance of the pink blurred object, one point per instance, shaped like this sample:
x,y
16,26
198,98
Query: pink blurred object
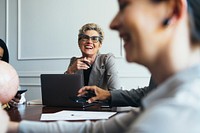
x,y
9,82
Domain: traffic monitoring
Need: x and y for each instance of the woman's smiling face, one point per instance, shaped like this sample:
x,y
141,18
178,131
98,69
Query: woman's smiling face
x,y
138,24
87,46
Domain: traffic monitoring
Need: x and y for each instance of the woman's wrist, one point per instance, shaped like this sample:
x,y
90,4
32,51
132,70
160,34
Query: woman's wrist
x,y
69,71
108,95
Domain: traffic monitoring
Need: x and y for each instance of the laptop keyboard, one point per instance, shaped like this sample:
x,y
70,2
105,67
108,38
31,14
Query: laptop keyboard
x,y
80,99
83,100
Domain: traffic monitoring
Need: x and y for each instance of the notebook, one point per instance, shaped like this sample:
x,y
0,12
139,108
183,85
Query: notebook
x,y
61,90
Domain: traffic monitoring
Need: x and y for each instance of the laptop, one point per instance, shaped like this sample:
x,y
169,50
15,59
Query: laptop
x,y
61,90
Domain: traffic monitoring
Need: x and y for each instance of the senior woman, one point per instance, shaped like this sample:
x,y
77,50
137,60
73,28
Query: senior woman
x,y
170,48
97,69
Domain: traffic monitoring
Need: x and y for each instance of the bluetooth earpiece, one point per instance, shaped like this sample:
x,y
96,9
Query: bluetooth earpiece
x,y
166,22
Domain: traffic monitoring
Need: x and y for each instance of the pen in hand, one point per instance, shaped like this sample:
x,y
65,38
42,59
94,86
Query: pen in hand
x,y
87,63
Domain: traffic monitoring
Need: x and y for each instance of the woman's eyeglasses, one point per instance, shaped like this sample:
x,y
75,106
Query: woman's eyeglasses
x,y
85,38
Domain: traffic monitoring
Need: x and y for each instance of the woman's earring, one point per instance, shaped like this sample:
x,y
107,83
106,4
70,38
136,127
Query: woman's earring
x,y
166,22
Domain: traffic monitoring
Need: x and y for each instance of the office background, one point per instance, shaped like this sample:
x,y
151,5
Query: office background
x,y
41,36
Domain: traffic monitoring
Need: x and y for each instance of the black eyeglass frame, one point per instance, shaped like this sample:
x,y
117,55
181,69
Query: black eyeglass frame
x,y
94,39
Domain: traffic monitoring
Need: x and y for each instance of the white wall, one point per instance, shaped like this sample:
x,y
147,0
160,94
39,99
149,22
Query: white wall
x,y
42,36
2,19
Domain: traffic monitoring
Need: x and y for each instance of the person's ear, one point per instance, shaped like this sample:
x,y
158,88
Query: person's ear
x,y
79,44
179,10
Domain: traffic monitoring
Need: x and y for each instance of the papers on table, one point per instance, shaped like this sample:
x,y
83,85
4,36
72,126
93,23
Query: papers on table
x,y
35,102
76,115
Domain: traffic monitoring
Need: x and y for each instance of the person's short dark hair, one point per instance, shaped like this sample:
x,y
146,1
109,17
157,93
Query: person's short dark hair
x,y
194,12
5,53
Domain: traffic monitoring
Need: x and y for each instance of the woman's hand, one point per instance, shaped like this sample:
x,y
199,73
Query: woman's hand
x,y
79,64
100,93
15,100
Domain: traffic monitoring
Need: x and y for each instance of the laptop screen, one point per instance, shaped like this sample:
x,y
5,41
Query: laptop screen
x,y
61,89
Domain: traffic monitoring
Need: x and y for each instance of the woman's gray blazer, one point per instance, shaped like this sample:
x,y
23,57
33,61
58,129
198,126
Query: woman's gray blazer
x,y
104,72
